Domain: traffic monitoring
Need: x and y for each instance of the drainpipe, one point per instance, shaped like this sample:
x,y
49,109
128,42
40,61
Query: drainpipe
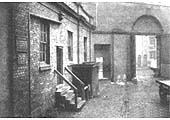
x,y
112,59
11,61
90,40
29,72
90,44
78,35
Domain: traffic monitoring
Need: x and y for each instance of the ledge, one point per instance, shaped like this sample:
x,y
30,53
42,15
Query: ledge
x,y
45,18
44,67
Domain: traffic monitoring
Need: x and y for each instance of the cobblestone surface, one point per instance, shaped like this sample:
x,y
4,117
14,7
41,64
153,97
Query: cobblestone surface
x,y
129,101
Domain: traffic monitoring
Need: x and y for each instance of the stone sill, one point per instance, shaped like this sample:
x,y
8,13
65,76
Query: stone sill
x,y
70,63
44,67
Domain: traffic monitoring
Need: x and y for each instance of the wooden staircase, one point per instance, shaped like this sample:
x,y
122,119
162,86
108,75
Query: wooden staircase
x,y
67,97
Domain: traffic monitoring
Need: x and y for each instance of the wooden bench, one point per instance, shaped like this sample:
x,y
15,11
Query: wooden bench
x,y
164,91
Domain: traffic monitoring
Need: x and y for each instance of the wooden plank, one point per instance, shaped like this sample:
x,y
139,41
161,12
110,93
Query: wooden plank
x,y
165,82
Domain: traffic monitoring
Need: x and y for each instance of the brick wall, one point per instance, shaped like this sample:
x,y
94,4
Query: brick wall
x,y
100,39
5,60
84,32
165,50
43,82
115,18
20,64
25,90
123,15
90,7
121,55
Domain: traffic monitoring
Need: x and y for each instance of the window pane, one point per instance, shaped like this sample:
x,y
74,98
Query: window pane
x,y
70,45
42,36
42,27
44,56
44,43
41,57
44,47
85,48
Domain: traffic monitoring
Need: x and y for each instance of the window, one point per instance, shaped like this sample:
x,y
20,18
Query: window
x,y
152,41
152,54
85,48
70,46
44,43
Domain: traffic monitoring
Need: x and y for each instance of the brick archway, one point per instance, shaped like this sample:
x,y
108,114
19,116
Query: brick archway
x,y
145,25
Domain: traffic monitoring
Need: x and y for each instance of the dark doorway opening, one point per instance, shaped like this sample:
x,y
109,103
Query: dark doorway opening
x,y
102,55
59,55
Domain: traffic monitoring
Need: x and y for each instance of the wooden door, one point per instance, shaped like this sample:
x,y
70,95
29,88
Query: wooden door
x,y
60,62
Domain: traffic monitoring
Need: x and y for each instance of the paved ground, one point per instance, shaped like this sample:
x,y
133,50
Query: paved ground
x,y
131,100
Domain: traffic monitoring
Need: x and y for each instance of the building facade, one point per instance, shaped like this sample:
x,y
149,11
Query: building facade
x,y
118,24
37,38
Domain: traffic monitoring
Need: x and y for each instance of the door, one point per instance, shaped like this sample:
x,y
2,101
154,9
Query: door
x,y
59,55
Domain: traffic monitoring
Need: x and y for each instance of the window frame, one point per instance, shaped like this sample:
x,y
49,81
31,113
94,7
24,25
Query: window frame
x,y
70,45
152,41
44,42
152,55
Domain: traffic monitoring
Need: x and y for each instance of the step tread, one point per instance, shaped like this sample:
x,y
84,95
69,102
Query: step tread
x,y
68,92
69,96
73,100
81,104
59,86
63,90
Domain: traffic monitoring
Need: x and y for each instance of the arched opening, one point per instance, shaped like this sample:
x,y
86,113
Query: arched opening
x,y
145,41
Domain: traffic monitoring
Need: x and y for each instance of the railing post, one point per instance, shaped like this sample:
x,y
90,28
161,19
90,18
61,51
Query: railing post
x,y
83,93
76,95
81,84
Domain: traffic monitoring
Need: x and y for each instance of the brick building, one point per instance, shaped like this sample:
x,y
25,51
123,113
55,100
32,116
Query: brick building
x,y
37,38
114,37
146,51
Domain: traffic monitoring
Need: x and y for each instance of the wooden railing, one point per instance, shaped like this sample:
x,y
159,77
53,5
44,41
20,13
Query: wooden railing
x,y
70,84
81,87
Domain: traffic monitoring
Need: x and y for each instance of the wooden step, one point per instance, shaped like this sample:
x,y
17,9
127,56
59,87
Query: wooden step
x,y
59,86
69,96
66,98
80,104
63,89
68,92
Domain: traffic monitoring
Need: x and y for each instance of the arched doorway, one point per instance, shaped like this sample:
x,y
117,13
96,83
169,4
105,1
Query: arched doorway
x,y
145,25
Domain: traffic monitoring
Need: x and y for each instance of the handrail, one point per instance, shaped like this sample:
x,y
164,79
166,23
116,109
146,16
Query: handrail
x,y
81,82
67,81
82,88
70,84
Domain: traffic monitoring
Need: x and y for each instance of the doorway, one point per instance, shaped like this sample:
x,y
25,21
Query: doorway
x,y
59,52
102,55
146,56
146,27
